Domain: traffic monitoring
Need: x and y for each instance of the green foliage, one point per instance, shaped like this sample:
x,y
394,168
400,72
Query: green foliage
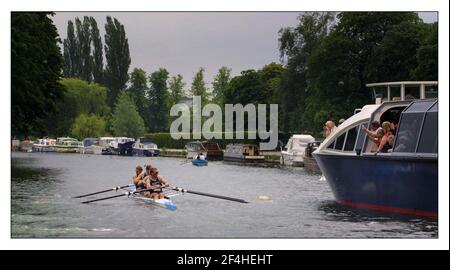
x,y
220,83
137,90
158,111
117,59
70,68
198,87
88,126
427,55
176,90
245,89
36,65
80,97
97,52
126,121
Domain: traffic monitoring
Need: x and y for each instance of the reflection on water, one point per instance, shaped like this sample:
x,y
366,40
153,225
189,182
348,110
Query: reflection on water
x,y
284,202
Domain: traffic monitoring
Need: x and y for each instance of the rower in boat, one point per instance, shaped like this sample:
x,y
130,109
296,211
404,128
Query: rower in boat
x,y
139,178
200,156
155,182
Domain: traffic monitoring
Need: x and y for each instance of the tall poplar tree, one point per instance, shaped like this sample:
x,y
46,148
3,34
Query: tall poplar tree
x,y
117,58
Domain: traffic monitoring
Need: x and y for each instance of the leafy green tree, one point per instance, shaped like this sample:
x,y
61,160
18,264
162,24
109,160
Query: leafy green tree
x,y
176,91
97,52
88,126
138,89
80,97
36,65
220,83
271,76
427,56
158,111
70,52
198,87
117,58
85,40
126,120
245,89
296,45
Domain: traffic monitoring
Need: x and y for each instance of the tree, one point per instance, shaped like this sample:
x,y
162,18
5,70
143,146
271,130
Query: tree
x,y
427,56
176,92
36,65
296,46
80,97
220,83
85,40
97,52
88,126
70,52
117,58
138,89
158,111
126,120
198,87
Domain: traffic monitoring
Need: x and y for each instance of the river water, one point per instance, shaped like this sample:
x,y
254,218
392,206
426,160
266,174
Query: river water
x,y
284,202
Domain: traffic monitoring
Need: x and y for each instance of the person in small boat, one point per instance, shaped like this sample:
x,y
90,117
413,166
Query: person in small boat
x,y
138,178
155,182
200,156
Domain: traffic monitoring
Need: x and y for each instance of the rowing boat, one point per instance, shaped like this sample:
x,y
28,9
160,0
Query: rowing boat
x,y
164,203
199,162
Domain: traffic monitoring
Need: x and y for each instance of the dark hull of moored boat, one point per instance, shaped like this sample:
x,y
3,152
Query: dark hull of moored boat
x,y
402,185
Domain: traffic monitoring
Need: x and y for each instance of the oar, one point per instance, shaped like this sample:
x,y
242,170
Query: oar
x,y
128,193
206,194
103,191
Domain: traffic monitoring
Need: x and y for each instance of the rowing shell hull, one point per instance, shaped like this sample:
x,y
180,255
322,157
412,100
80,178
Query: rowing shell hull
x,y
164,203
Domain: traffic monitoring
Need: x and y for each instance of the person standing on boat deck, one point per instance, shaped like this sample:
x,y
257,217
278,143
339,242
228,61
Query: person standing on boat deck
x,y
138,178
155,182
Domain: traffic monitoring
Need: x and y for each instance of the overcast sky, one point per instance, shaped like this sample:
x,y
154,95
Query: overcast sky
x,y
182,42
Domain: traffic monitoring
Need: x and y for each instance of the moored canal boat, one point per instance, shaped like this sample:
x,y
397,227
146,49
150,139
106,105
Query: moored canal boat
x,y
243,153
403,180
67,145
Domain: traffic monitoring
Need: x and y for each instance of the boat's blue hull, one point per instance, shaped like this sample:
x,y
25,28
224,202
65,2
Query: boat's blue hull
x,y
199,162
404,185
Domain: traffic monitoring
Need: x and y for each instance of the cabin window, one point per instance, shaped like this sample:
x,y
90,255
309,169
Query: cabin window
x,y
409,128
431,91
361,137
340,142
331,145
412,92
395,93
351,139
428,142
